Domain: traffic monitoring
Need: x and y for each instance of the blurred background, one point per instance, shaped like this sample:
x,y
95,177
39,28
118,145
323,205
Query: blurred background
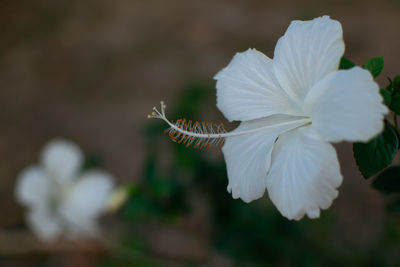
x,y
90,71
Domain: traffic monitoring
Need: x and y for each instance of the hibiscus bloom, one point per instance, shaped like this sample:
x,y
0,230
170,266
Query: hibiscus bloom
x,y
60,199
291,108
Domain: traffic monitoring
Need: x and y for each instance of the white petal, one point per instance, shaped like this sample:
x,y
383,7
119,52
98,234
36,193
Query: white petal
x,y
247,89
248,156
45,226
33,188
346,105
304,174
87,200
307,52
62,159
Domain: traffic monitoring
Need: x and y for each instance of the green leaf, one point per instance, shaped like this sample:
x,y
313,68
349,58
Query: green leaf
x,y
388,181
395,102
396,83
394,206
387,96
345,64
374,65
92,162
394,89
377,154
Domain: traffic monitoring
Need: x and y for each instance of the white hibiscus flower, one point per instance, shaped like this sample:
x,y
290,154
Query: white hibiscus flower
x,y
60,199
291,107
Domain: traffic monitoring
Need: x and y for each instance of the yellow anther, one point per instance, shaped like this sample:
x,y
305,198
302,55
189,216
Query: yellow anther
x,y
153,113
149,116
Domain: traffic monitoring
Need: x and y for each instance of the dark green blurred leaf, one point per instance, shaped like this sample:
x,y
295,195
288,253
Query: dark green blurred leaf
x,y
92,162
345,64
374,65
388,181
158,196
377,154
395,102
137,208
394,206
163,188
387,96
149,171
189,101
396,83
186,158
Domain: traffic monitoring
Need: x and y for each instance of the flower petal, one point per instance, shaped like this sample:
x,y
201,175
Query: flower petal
x,y
43,225
248,156
33,188
307,52
62,159
87,200
304,174
346,105
247,89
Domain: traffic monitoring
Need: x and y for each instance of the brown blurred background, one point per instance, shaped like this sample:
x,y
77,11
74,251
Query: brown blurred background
x,y
92,70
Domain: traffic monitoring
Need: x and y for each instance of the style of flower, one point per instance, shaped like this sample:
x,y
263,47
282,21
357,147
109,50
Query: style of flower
x,y
291,108
59,199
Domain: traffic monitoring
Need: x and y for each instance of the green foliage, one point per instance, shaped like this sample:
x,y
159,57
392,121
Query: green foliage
x,y
394,206
395,102
388,181
378,153
191,98
387,96
92,161
374,65
345,64
391,94
158,197
396,83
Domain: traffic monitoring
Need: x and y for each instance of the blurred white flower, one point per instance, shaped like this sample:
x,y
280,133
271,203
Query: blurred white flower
x,y
291,107
61,200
